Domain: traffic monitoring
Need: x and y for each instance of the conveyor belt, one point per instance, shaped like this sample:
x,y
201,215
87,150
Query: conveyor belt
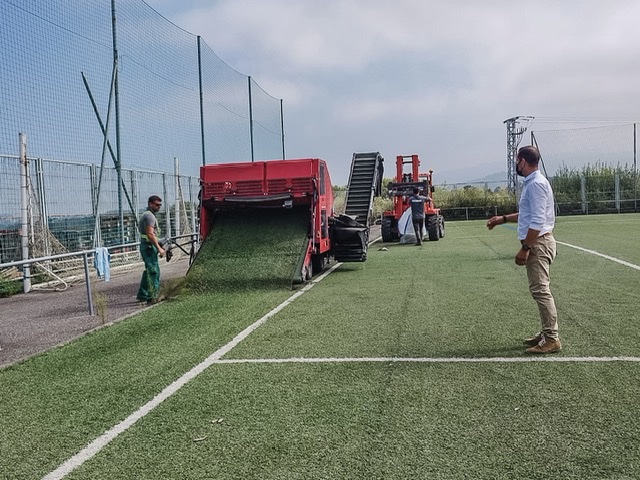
x,y
365,182
251,248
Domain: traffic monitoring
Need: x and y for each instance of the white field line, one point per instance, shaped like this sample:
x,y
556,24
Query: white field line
x,y
608,257
103,440
593,252
529,359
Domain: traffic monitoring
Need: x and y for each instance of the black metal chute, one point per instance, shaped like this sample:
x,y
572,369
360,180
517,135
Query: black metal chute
x,y
349,239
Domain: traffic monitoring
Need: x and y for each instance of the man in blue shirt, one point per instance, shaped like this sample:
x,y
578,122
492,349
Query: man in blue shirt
x,y
536,219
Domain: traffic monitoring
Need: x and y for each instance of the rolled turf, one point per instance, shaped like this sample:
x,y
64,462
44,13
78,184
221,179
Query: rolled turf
x,y
251,248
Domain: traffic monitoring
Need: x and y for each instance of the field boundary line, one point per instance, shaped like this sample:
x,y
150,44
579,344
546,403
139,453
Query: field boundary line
x,y
608,257
103,440
592,252
530,359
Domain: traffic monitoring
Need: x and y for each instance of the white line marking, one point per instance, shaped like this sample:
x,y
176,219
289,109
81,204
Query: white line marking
x,y
529,359
103,440
593,252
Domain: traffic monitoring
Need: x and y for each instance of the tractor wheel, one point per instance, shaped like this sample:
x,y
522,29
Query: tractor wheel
x,y
308,272
317,263
433,229
387,229
441,222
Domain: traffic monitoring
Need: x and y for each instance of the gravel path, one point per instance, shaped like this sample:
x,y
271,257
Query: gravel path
x,y
34,322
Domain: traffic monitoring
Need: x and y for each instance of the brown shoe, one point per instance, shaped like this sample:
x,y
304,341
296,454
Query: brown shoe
x,y
533,341
546,346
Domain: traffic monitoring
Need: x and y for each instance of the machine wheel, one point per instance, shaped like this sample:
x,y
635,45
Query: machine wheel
x,y
387,229
317,263
308,272
441,222
433,228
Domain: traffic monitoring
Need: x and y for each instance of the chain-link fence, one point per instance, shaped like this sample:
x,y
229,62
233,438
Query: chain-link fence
x,y
577,148
577,192
115,93
72,206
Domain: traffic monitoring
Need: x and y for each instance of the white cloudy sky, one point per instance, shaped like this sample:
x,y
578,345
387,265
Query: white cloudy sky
x,y
436,78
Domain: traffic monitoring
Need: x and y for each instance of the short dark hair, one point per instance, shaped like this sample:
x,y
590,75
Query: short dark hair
x,y
529,154
416,190
154,199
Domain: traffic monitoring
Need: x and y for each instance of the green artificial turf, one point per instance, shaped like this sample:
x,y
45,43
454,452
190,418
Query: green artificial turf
x,y
614,235
388,421
462,296
55,403
249,249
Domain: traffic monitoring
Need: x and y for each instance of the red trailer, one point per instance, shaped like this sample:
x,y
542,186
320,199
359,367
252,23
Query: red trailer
x,y
285,184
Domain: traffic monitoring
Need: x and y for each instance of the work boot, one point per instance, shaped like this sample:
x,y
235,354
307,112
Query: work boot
x,y
533,341
546,345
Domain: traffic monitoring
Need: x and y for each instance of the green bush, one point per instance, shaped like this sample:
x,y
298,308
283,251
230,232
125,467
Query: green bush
x,y
9,287
472,197
599,192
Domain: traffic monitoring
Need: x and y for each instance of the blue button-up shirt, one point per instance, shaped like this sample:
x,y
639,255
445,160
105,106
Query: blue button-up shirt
x,y
536,209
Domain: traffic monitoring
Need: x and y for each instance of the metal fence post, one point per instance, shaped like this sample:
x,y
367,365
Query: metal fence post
x,y
583,194
24,207
167,210
251,120
176,210
87,279
194,207
617,191
282,129
42,200
134,200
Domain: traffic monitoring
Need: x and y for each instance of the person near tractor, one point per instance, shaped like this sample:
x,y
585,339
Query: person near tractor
x,y
536,219
150,250
417,201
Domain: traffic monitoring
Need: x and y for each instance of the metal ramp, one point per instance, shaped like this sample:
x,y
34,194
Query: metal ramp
x,y
365,182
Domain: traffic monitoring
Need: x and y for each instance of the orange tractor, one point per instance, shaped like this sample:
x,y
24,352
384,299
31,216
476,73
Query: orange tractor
x,y
400,191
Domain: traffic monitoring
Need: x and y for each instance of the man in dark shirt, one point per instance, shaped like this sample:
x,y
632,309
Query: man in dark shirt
x,y
417,202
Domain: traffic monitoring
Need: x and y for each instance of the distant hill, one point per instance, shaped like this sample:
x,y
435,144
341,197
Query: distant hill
x,y
468,177
465,176
455,174
492,178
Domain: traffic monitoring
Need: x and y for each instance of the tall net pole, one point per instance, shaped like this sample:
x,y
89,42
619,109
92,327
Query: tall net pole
x,y
117,105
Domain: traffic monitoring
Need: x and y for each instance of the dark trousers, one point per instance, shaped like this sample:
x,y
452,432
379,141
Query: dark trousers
x,y
150,281
418,225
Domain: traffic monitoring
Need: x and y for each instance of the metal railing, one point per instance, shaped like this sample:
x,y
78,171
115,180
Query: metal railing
x,y
86,255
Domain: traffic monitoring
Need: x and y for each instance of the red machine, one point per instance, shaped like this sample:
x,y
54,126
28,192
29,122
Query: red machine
x,y
285,184
401,190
